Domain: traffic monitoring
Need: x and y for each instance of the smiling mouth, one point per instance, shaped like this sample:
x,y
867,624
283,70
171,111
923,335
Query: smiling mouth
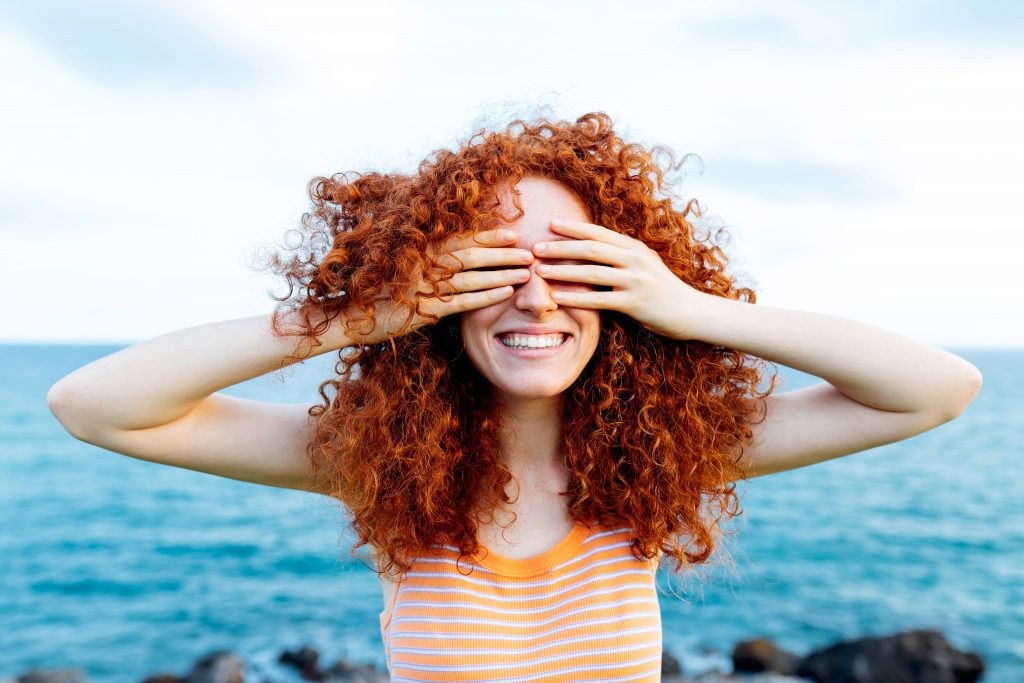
x,y
535,350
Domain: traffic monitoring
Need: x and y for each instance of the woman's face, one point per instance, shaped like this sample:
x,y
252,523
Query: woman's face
x,y
537,372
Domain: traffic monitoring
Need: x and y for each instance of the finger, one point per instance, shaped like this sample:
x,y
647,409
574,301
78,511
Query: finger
x,y
473,280
595,275
486,238
466,301
589,250
596,300
481,257
446,254
586,230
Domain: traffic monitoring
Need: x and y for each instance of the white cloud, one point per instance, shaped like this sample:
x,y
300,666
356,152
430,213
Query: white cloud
x,y
133,207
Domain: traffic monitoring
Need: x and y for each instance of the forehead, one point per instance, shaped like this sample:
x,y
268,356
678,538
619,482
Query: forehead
x,y
542,199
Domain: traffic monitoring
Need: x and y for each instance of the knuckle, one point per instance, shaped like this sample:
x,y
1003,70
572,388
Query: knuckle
x,y
473,255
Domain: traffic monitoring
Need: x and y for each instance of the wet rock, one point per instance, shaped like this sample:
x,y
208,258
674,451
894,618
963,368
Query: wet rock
x,y
217,667
918,656
761,654
670,665
52,676
715,677
305,661
162,678
343,671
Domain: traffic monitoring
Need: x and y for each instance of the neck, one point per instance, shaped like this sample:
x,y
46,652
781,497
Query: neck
x,y
531,436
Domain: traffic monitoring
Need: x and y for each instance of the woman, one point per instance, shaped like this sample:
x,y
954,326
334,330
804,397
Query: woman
x,y
558,385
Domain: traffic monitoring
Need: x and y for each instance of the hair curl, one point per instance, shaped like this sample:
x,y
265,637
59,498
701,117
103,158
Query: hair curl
x,y
409,443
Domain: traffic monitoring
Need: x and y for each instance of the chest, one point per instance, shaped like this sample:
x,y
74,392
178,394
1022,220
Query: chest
x,y
551,598
541,521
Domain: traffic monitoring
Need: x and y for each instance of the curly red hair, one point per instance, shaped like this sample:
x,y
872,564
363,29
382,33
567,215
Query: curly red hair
x,y
409,443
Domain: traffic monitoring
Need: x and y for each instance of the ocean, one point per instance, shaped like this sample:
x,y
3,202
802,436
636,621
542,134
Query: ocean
x,y
124,568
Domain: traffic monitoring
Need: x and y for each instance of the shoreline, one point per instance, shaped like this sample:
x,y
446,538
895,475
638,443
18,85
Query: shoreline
x,y
916,655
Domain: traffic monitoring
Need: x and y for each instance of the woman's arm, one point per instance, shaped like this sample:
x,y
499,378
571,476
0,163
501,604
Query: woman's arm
x,y
162,379
880,387
157,401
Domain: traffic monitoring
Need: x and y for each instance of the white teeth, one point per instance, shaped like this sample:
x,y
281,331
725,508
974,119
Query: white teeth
x,y
531,341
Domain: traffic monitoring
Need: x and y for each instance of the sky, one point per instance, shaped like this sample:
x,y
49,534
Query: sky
x,y
865,159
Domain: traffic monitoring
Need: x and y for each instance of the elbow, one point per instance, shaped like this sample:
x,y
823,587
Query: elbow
x,y
58,400
55,401
962,393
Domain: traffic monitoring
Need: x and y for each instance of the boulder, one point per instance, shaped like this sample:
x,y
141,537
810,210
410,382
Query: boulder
x,y
217,667
343,671
670,665
716,677
75,675
305,661
917,656
761,654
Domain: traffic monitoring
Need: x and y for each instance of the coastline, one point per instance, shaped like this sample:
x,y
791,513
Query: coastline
x,y
918,655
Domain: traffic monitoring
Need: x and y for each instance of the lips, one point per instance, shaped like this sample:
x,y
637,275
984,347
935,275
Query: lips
x,y
537,352
511,336
532,329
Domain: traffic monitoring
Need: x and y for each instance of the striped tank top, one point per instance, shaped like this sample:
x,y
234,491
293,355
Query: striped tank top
x,y
586,610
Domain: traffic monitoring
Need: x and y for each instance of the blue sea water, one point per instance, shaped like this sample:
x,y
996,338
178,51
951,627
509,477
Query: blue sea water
x,y
126,568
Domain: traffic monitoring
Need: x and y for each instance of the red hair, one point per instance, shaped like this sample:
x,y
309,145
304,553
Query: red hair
x,y
409,442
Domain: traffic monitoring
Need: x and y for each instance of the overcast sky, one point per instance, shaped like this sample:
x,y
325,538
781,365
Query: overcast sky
x,y
865,156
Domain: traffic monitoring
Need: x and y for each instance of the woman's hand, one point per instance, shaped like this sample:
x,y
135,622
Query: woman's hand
x,y
643,286
468,289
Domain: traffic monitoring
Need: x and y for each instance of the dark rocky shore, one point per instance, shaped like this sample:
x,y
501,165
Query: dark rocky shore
x,y
919,656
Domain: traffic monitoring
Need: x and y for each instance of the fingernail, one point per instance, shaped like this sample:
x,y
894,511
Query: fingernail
x,y
540,248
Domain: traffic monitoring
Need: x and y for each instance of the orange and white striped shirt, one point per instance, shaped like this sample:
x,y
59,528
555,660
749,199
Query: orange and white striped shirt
x,y
586,610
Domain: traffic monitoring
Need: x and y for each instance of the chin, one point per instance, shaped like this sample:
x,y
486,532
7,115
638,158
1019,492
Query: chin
x,y
527,390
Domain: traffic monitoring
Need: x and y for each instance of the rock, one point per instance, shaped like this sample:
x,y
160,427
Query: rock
x,y
52,676
670,665
305,661
716,677
217,667
761,654
918,656
162,678
346,672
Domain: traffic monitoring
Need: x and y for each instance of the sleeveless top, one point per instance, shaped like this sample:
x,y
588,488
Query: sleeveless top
x,y
585,610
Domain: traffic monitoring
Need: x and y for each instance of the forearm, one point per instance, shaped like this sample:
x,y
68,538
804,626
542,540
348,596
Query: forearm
x,y
161,379
875,367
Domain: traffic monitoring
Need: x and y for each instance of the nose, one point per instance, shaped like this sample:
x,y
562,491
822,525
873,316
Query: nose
x,y
534,295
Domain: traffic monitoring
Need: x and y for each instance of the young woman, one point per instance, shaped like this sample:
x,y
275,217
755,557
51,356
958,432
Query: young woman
x,y
558,385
